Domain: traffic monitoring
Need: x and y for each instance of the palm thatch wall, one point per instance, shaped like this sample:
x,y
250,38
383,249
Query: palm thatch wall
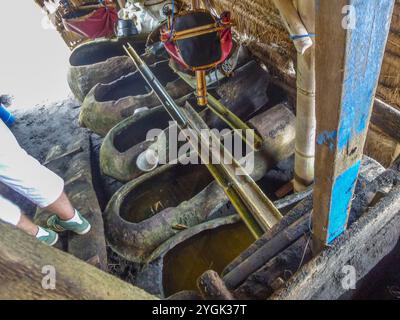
x,y
389,83
259,25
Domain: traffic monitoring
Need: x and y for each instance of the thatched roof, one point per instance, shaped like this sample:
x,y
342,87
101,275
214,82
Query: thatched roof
x,y
259,24
260,27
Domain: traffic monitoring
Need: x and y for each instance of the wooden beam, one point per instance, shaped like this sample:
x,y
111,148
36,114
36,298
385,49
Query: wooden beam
x,y
386,118
348,63
25,262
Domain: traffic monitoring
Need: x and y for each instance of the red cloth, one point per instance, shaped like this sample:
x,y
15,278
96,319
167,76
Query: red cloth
x,y
226,48
98,23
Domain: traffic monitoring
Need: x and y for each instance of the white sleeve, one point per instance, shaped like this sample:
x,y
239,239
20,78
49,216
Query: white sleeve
x,y
9,212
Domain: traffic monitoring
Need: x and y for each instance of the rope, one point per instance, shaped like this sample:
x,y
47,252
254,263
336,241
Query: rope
x,y
300,36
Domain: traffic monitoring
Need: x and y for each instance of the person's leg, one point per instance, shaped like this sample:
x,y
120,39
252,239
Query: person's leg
x,y
11,214
27,225
28,177
62,207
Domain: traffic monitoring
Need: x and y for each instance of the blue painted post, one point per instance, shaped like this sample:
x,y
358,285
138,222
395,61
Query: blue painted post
x,y
350,44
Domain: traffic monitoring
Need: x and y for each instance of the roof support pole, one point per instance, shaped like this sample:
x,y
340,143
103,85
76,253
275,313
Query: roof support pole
x,y
350,44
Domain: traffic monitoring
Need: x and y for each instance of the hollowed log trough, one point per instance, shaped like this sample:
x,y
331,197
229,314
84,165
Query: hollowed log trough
x,y
179,261
108,104
100,61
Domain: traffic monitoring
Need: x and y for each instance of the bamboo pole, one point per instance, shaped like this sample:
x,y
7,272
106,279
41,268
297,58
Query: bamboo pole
x,y
299,18
292,20
305,119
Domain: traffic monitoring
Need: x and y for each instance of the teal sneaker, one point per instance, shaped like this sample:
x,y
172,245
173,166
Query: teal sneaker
x,y
50,239
81,227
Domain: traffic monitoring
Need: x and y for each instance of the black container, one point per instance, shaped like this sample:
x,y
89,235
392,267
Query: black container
x,y
126,28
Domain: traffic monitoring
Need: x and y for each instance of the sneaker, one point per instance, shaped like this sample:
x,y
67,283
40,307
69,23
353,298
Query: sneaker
x,y
58,225
50,239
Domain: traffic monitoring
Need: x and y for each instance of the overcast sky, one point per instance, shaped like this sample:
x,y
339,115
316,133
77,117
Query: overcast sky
x,y
33,59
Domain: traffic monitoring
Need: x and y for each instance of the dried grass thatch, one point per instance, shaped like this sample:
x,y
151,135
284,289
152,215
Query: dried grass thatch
x,y
389,82
259,25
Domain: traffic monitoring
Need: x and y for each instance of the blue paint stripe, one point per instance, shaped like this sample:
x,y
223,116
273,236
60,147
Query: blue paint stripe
x,y
328,138
341,194
365,49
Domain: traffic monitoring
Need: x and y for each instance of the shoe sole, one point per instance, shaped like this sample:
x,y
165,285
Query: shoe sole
x,y
81,233
54,242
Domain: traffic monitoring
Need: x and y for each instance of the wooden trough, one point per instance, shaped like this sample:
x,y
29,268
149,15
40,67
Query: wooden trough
x,y
99,61
107,104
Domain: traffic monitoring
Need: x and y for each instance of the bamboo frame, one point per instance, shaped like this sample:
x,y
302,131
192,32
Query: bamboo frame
x,y
299,18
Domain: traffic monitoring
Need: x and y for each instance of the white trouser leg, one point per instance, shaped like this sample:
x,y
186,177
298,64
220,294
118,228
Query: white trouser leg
x,y
25,174
9,212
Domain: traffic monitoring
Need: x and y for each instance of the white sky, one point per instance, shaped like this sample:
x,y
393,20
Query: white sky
x,y
33,59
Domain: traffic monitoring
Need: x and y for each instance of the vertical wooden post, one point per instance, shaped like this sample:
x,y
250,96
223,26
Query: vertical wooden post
x,y
350,41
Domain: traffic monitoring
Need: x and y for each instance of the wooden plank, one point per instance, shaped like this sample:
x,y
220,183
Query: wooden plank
x,y
348,63
386,118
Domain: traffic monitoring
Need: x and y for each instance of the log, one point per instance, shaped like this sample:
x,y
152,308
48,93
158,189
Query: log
x,y
22,259
273,275
212,287
303,208
363,246
74,166
276,245
386,118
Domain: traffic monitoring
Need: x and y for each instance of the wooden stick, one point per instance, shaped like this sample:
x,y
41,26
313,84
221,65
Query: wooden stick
x,y
212,287
277,244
